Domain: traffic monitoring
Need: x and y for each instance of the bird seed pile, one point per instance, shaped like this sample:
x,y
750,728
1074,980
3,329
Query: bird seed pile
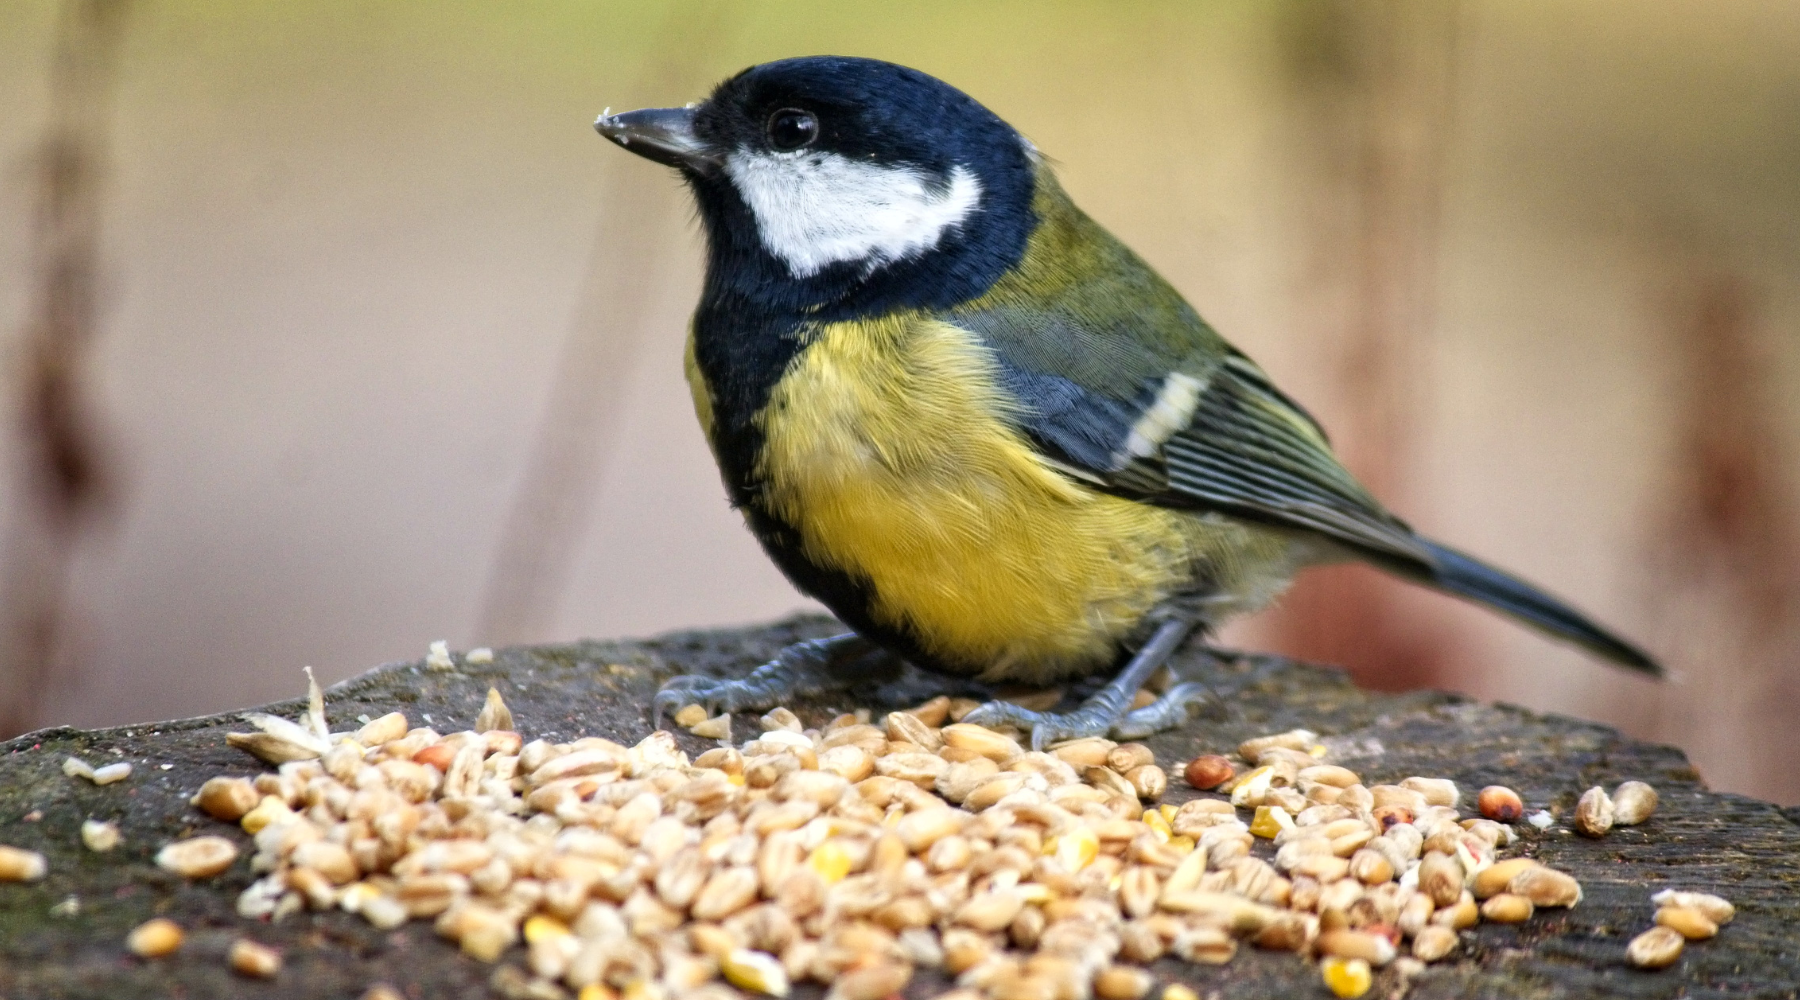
x,y
854,854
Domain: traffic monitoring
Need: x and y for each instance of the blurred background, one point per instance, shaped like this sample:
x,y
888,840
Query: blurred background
x,y
330,328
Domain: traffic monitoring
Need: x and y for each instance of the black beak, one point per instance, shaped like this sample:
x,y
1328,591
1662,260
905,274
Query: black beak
x,y
665,135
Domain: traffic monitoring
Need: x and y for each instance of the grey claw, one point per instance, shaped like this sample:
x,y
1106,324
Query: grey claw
x,y
1078,724
994,714
1166,712
1108,707
1046,728
1045,734
678,691
803,668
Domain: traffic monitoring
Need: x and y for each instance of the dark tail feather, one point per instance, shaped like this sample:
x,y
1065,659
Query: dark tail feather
x,y
1458,574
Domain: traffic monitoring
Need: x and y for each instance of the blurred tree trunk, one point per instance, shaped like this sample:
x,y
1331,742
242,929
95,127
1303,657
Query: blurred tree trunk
x,y
61,465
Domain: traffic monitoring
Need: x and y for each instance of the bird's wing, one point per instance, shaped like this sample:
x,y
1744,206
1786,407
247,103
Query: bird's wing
x,y
1121,384
1249,450
1116,381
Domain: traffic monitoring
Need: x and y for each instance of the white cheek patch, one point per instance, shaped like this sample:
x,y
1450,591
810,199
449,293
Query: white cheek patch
x,y
817,209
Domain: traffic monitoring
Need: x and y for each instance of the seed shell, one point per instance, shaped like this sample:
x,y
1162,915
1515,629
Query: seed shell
x,y
99,836
1594,813
154,938
257,961
1545,886
1656,948
19,865
1433,942
1688,922
1716,908
1507,908
1633,803
198,857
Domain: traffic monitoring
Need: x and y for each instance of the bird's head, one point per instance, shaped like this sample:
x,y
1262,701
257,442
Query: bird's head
x,y
834,183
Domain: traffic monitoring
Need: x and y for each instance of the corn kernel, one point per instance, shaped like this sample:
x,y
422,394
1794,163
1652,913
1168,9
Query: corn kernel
x,y
597,991
1158,824
831,860
1251,788
1346,977
1269,821
1182,843
267,811
753,970
542,926
1034,893
1077,848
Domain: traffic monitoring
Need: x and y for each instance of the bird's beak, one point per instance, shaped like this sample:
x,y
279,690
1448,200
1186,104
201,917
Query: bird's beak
x,y
665,135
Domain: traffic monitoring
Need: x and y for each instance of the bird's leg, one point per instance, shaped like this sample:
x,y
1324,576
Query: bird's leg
x,y
810,667
1171,710
1108,710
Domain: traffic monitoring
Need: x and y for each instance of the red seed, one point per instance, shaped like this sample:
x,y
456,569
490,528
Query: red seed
x,y
1500,803
438,755
1208,772
1388,816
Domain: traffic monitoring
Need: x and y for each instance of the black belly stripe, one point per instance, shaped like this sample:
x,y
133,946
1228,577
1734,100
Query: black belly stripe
x,y
742,355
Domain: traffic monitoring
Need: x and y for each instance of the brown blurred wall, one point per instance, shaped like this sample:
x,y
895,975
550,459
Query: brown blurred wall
x,y
1536,265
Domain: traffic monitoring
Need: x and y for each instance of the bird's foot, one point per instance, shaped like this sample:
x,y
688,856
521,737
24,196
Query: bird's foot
x,y
1045,727
1098,716
810,667
1109,710
1166,712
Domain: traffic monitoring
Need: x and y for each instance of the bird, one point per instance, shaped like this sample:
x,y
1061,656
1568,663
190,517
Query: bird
x,y
976,426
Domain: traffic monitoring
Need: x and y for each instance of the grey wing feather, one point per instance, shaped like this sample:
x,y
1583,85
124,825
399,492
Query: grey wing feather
x,y
1250,451
1241,446
1120,384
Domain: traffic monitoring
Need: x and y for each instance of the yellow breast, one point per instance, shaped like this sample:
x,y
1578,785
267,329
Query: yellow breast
x,y
886,449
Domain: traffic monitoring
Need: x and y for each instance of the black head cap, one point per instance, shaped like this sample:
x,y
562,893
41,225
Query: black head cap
x,y
831,184
866,109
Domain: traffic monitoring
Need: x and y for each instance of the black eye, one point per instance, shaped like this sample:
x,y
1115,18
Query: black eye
x,y
791,128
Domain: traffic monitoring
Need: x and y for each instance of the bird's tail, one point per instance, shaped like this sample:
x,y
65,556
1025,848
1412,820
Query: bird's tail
x,y
1459,574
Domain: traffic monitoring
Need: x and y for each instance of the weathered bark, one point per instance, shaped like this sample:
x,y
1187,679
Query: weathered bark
x,y
1746,850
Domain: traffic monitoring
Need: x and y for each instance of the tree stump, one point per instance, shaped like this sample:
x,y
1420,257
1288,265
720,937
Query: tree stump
x,y
1745,850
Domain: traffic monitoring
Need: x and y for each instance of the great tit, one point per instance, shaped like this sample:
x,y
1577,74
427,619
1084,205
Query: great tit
x,y
976,426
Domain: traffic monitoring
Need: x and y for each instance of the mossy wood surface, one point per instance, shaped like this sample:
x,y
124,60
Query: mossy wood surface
x,y
1746,850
